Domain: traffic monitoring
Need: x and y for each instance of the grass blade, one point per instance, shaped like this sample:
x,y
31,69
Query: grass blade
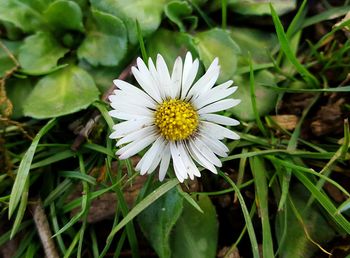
x,y
24,167
248,220
260,173
147,201
282,37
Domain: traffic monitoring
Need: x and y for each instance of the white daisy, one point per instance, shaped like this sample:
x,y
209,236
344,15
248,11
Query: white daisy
x,y
175,116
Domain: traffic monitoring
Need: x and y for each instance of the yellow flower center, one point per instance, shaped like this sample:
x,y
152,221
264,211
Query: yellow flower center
x,y
176,119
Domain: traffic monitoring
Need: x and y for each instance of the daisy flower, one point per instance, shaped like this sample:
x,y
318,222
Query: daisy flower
x,y
175,115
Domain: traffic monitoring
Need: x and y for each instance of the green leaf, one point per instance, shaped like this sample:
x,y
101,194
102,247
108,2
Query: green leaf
x,y
147,12
176,11
63,92
24,167
256,42
142,205
169,44
21,209
39,53
292,222
25,14
66,15
6,63
259,173
218,43
257,7
17,91
285,46
167,209
103,76
195,234
106,40
265,98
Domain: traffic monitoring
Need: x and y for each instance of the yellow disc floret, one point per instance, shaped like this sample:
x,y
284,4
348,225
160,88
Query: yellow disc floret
x,y
176,119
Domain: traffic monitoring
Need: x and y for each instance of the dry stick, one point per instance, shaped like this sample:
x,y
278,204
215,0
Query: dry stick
x,y
42,225
95,116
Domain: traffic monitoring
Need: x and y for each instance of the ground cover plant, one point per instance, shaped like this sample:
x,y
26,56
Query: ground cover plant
x,y
282,189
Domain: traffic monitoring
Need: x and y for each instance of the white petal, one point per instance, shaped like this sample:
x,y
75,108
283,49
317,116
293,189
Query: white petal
x,y
151,154
218,119
189,74
179,167
129,126
206,152
158,157
219,106
198,156
218,131
132,90
155,75
215,94
206,81
132,110
122,97
164,76
137,135
191,168
146,84
128,116
132,148
164,164
215,145
176,77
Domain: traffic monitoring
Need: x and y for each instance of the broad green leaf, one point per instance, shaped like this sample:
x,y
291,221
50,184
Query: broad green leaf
x,y
170,45
63,92
256,42
12,32
265,98
25,14
106,40
39,53
176,11
103,76
65,15
167,209
195,234
23,170
6,63
218,43
17,91
257,7
290,230
146,12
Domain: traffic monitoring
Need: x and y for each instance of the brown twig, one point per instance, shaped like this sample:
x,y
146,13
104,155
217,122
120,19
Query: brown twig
x,y
3,96
95,116
42,225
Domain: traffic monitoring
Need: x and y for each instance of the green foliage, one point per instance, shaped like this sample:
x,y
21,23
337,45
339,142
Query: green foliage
x,y
25,14
63,92
105,42
195,233
178,12
65,15
146,12
40,53
17,92
218,43
167,211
